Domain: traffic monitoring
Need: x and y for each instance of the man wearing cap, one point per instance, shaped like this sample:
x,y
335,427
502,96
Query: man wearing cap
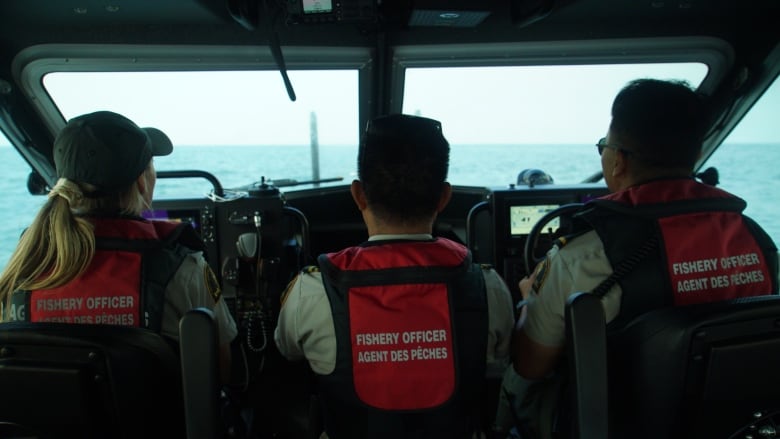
x,y
88,256
659,239
402,329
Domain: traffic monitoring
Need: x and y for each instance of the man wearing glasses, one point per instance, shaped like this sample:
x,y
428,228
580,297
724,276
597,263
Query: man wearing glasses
x,y
402,329
659,239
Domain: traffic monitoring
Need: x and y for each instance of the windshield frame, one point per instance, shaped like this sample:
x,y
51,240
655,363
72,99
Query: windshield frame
x,y
33,63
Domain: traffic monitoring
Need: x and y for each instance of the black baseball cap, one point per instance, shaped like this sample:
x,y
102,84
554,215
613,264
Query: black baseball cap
x,y
402,138
107,150
416,129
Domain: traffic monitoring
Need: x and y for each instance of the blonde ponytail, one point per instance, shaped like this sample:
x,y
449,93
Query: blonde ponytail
x,y
56,248
60,243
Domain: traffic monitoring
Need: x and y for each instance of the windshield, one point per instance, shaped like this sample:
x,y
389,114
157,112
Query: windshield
x,y
242,127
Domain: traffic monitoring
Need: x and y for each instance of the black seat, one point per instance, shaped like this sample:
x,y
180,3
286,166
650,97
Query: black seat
x,y
99,381
709,370
200,374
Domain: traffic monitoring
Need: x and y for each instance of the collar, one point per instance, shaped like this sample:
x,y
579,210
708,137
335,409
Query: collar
x,y
410,237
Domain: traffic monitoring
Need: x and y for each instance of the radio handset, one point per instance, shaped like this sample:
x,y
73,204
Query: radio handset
x,y
263,325
247,261
256,310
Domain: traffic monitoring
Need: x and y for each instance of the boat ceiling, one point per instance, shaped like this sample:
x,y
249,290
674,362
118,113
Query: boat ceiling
x,y
749,26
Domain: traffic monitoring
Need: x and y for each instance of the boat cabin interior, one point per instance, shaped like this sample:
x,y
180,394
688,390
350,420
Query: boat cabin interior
x,y
265,102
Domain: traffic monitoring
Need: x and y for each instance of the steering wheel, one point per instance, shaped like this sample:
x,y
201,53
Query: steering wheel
x,y
531,241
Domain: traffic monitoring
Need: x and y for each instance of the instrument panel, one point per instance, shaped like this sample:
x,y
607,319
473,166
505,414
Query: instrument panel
x,y
513,212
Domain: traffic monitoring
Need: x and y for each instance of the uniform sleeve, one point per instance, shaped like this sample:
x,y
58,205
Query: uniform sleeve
x,y
544,322
286,332
500,322
579,266
305,328
195,285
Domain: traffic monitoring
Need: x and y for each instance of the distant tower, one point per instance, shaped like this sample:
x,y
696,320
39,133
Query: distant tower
x,y
315,148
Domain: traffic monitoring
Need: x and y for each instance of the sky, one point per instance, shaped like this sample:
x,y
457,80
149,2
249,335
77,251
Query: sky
x,y
515,105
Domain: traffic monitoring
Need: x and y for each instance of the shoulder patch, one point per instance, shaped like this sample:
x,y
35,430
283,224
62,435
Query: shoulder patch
x,y
542,270
311,269
210,279
563,240
486,266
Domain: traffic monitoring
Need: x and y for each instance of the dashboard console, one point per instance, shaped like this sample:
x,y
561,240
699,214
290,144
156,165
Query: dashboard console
x,y
198,213
515,211
253,245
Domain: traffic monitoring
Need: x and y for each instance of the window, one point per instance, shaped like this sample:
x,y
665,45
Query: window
x,y
21,206
748,160
240,126
501,120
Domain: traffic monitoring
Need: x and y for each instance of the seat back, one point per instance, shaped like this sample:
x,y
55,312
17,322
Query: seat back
x,y
708,370
67,380
200,373
587,351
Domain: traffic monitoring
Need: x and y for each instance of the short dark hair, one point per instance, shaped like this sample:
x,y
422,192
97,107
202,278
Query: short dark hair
x,y
665,121
402,165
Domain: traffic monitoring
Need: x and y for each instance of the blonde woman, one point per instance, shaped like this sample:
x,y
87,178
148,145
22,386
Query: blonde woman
x,y
88,256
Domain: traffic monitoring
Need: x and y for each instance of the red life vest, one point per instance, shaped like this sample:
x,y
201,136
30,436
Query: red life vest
x,y
709,250
411,336
124,283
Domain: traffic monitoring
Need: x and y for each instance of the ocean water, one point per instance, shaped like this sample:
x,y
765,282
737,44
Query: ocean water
x,y
751,171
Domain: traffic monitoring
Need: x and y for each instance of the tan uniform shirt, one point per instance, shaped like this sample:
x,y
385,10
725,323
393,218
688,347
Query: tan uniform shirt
x,y
190,288
579,266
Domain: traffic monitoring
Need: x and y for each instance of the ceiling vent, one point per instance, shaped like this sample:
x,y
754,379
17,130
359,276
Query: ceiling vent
x,y
449,13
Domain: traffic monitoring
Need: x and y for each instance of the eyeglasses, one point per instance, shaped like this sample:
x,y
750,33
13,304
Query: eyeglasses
x,y
603,144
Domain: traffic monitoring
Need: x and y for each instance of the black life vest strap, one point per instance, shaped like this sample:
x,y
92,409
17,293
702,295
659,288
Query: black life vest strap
x,y
768,248
625,266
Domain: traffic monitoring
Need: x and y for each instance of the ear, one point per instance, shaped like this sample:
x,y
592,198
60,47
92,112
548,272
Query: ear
x,y
141,183
358,195
620,164
446,194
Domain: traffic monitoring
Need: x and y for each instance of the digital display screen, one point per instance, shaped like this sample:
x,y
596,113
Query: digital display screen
x,y
317,6
523,218
182,216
